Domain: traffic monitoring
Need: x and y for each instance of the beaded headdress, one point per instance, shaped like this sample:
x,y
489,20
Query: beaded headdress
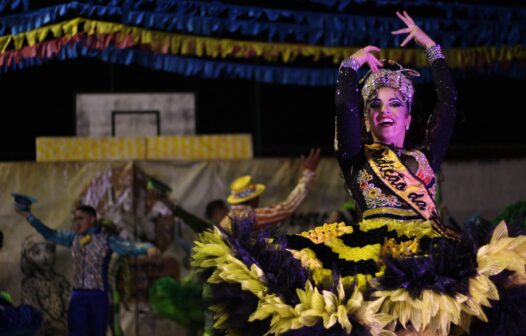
x,y
398,79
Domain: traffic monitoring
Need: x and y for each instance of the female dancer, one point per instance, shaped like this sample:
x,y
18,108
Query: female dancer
x,y
400,270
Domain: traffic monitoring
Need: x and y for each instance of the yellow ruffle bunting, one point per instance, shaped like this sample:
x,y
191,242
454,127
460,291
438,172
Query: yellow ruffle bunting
x,y
190,45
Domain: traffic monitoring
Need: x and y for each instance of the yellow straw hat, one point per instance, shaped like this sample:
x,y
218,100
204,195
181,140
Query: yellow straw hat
x,y
242,190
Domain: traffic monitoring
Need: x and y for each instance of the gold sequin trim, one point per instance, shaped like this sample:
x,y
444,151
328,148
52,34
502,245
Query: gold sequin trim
x,y
326,232
400,250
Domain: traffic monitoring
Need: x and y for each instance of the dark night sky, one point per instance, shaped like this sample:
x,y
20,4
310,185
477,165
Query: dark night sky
x,y
284,120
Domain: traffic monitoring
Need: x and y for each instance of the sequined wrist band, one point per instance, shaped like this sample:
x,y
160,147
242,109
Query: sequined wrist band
x,y
433,53
309,173
350,63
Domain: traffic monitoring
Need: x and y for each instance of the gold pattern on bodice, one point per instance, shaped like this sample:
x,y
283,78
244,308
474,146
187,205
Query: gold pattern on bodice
x,y
374,196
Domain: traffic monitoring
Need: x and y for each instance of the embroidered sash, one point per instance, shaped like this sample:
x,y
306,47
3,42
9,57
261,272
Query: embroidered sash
x,y
398,178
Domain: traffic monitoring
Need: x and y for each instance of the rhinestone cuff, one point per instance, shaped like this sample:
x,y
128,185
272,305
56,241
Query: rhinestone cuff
x,y
350,63
434,53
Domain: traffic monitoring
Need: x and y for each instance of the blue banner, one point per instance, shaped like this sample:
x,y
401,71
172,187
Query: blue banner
x,y
216,19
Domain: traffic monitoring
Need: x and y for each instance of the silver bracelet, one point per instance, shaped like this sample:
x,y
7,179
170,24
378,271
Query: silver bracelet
x,y
350,62
434,53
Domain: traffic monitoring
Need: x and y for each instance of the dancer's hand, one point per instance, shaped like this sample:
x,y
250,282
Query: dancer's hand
x,y
364,55
312,161
414,31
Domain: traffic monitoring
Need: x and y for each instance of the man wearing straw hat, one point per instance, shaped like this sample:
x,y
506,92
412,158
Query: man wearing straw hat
x,y
245,194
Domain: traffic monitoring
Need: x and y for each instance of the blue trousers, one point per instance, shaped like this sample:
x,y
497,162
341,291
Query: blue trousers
x,y
88,313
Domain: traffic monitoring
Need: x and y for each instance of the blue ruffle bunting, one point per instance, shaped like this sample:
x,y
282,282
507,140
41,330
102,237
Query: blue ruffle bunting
x,y
216,19
18,5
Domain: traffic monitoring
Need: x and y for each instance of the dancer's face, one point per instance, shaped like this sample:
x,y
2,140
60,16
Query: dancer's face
x,y
387,116
83,221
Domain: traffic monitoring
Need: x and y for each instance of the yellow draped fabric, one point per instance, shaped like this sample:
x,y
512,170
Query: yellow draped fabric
x,y
182,147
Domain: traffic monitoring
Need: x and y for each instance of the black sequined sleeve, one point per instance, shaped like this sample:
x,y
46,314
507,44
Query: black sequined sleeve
x,y
348,130
442,120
